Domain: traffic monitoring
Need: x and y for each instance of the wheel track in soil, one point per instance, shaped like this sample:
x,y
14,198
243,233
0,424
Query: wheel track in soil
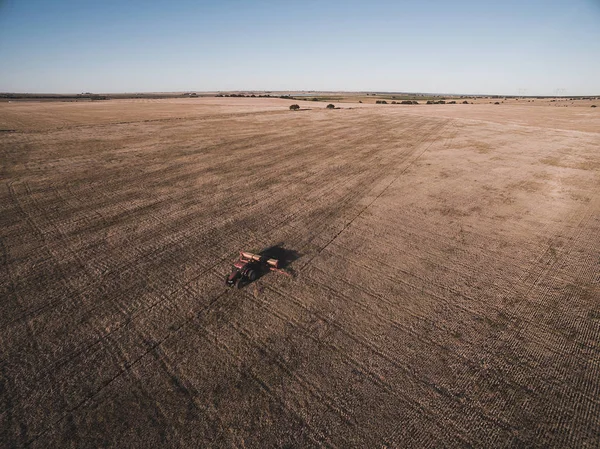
x,y
541,275
375,378
588,398
534,277
427,291
127,367
153,347
349,223
557,382
183,237
467,360
423,281
120,267
389,358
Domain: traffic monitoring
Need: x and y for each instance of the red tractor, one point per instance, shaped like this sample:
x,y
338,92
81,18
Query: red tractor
x,y
250,267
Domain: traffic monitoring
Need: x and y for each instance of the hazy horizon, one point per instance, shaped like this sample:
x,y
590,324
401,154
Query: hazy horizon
x,y
527,48
293,92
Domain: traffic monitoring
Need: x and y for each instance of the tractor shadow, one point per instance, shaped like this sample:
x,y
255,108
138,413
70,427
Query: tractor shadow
x,y
283,255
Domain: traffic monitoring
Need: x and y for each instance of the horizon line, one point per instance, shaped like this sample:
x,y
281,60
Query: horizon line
x,y
253,91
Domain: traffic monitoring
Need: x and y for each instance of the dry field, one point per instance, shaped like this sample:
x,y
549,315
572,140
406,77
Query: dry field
x,y
446,289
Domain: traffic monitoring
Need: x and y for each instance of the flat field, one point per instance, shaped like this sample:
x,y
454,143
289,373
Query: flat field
x,y
446,288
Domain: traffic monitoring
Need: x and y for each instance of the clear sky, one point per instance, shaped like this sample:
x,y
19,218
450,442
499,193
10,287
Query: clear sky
x,y
533,47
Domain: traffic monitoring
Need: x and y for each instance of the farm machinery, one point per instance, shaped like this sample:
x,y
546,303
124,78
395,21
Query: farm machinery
x,y
250,267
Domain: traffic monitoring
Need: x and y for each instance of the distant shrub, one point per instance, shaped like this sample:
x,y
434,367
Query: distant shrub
x,y
496,103
294,107
315,99
360,101
465,102
429,102
452,102
393,102
415,102
381,102
593,106
330,106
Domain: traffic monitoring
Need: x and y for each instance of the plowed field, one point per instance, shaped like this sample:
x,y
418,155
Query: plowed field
x,y
446,288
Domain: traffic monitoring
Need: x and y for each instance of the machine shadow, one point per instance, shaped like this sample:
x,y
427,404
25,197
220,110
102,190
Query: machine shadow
x,y
285,257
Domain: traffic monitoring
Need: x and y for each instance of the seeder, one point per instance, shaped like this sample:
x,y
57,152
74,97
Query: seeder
x,y
250,267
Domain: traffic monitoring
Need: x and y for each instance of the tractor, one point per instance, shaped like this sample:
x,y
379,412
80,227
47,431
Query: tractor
x,y
250,267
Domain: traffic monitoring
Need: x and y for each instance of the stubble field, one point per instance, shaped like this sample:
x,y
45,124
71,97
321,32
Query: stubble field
x,y
446,288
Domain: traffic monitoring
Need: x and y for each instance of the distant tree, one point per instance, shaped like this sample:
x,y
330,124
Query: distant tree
x,y
330,106
294,107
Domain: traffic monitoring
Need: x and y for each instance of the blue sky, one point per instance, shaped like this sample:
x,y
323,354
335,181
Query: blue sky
x,y
537,47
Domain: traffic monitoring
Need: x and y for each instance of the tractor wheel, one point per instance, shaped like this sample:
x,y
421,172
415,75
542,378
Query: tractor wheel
x,y
239,283
251,275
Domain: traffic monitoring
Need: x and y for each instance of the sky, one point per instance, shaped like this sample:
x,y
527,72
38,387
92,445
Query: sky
x,y
505,47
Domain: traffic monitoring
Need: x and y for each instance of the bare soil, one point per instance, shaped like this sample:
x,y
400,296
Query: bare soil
x,y
446,289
